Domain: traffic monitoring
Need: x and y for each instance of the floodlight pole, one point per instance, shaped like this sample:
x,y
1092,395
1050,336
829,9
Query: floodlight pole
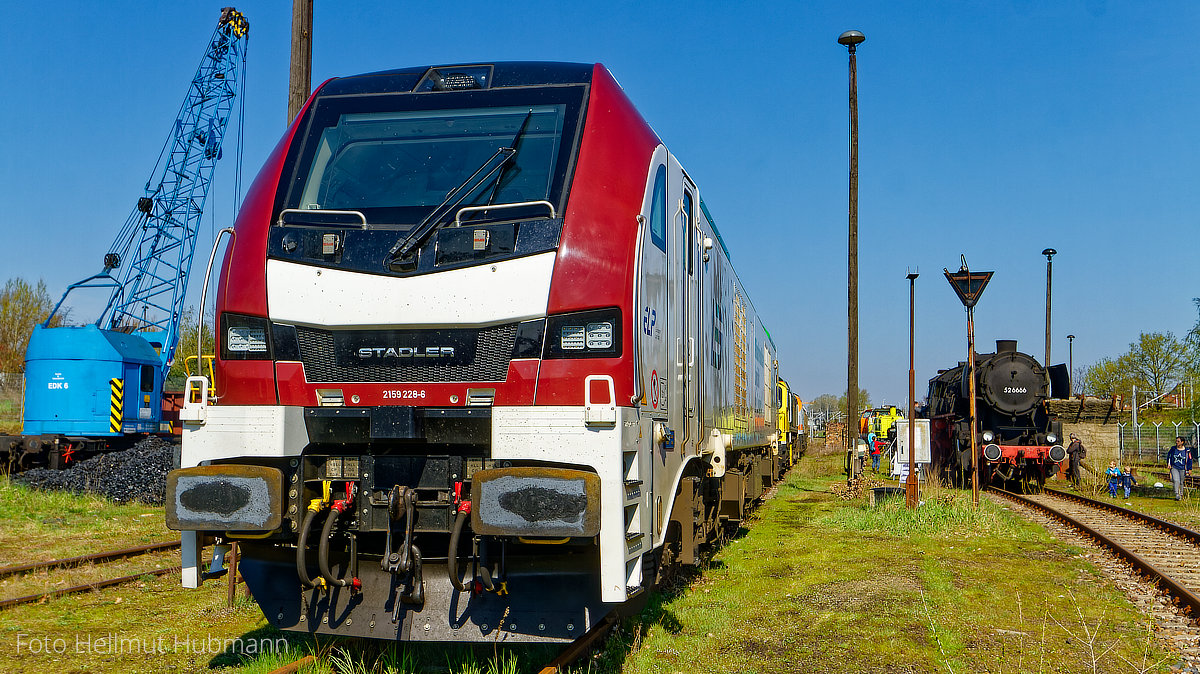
x,y
851,39
1049,253
910,486
1070,365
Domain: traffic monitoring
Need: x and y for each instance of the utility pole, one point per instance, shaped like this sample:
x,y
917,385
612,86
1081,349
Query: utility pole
x,y
300,80
851,39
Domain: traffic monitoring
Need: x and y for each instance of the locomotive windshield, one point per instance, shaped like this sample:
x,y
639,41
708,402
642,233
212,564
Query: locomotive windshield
x,y
396,157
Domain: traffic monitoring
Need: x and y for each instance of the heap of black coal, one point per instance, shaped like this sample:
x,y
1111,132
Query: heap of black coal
x,y
135,474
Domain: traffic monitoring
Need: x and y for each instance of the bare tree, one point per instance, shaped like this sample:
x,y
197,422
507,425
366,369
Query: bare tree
x,y
22,306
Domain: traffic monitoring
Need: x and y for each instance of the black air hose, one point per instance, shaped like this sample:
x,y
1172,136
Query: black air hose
x,y
302,548
323,550
452,556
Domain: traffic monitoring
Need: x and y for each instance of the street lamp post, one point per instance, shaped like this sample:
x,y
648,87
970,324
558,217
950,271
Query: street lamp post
x,y
1070,365
851,39
910,485
1049,253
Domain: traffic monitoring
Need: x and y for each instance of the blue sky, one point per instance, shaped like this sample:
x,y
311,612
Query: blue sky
x,y
990,129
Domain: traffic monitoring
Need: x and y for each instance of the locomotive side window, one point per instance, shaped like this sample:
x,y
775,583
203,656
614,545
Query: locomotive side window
x,y
658,210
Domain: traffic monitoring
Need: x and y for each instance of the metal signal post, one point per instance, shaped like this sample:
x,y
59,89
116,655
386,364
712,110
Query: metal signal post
x,y
910,486
969,286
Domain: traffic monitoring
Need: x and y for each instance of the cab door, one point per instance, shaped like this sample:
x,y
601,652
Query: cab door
x,y
689,274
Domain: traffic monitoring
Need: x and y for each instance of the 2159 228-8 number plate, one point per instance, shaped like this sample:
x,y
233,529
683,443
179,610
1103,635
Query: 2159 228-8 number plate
x,y
404,394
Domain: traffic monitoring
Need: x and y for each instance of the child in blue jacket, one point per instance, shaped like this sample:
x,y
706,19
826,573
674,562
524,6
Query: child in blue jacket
x,y
1114,478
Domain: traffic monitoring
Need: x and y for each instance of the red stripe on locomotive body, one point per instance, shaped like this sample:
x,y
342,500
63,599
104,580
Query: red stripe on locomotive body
x,y
595,262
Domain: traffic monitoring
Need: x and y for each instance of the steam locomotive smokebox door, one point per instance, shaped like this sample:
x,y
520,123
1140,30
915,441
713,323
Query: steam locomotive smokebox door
x,y
224,498
534,501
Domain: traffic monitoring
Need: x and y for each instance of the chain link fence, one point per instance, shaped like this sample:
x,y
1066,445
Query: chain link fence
x,y
1147,442
12,396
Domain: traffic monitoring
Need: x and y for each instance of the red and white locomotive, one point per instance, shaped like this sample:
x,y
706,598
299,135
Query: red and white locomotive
x,y
484,368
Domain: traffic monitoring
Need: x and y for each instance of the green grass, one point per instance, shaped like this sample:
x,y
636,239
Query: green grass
x,y
45,525
840,586
814,584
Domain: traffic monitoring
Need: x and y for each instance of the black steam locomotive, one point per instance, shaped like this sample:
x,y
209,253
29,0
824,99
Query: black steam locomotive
x,y
1020,443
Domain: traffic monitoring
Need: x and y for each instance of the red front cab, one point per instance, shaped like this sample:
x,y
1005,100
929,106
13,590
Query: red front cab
x,y
593,269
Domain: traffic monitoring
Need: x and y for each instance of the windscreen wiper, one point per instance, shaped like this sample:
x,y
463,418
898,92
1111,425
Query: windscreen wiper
x,y
457,195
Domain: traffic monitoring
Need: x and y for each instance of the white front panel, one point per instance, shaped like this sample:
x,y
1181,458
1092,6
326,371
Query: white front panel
x,y
502,292
559,434
230,431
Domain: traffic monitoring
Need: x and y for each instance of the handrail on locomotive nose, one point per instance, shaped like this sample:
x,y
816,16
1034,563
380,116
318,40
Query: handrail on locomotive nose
x,y
494,207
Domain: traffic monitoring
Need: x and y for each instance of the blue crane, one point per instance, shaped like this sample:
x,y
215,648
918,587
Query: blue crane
x,y
100,385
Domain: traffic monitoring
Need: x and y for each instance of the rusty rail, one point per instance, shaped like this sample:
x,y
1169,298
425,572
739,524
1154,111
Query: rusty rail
x,y
1181,593
83,559
577,648
1169,527
28,599
293,667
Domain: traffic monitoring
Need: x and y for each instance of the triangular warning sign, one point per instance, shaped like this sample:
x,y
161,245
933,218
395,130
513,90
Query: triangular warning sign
x,y
968,285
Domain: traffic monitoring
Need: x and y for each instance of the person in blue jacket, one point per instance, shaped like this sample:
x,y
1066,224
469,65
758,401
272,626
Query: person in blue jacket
x,y
1114,478
1180,461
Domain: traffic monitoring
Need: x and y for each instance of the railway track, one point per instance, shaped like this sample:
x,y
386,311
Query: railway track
x,y
1166,552
99,557
572,652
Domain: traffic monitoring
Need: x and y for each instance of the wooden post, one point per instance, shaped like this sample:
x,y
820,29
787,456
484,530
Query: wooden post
x,y
300,80
232,565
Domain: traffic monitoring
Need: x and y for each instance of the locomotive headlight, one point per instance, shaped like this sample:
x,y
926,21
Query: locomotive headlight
x,y
1051,438
245,337
572,338
988,436
584,334
600,335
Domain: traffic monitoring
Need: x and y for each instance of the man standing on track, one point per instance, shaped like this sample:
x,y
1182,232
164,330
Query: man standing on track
x,y
1075,452
1180,461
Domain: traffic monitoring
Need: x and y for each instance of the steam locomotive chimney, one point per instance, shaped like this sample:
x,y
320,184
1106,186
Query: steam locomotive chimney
x,y
1006,345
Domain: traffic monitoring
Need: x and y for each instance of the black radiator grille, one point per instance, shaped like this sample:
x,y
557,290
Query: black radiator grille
x,y
493,350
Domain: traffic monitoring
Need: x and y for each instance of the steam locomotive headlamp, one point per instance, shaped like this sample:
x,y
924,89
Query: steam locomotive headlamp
x,y
991,452
1051,438
1057,453
988,436
535,501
